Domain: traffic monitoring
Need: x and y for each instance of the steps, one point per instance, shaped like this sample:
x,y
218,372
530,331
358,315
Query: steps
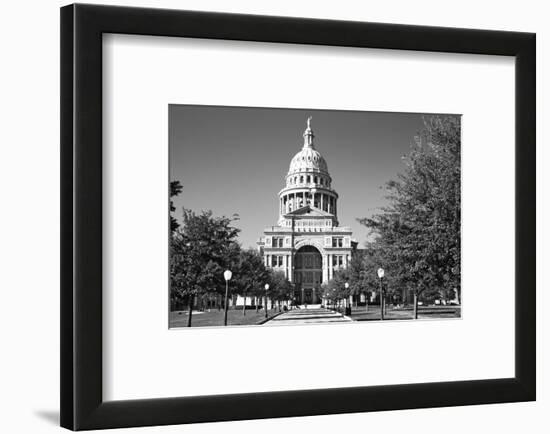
x,y
311,315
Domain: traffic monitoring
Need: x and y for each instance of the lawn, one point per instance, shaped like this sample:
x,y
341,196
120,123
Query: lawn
x,y
214,317
424,312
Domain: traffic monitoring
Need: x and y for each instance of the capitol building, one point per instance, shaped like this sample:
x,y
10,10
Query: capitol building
x,y
307,244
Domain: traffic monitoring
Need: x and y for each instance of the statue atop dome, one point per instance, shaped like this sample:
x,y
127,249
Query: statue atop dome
x,y
308,134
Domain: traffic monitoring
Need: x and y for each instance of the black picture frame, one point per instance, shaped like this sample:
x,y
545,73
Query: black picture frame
x,y
82,27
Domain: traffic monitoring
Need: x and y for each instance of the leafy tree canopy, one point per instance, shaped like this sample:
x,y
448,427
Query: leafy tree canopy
x,y
279,286
175,189
201,250
250,274
417,237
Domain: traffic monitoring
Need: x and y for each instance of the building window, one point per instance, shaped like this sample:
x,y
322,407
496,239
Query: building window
x,y
301,179
277,242
277,260
316,180
337,242
318,261
308,179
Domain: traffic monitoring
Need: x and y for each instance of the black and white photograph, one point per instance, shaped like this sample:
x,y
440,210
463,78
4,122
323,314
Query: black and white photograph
x,y
306,216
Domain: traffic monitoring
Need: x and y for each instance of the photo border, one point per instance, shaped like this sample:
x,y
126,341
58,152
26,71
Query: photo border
x,y
82,405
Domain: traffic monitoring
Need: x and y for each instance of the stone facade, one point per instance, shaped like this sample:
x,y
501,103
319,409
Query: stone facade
x,y
308,244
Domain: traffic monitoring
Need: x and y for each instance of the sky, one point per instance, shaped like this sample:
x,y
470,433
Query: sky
x,y
234,159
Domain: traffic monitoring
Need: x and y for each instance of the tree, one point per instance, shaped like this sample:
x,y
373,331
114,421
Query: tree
x,y
335,289
357,274
200,251
418,234
250,275
280,288
175,189
370,263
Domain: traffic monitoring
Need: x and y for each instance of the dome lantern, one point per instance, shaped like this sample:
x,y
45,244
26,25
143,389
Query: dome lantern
x,y
308,159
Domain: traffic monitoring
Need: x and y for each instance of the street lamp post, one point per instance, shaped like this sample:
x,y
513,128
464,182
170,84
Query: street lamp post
x,y
266,289
381,276
346,285
227,276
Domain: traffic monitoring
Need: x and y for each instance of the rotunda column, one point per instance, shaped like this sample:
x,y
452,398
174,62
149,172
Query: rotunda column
x,y
325,268
290,269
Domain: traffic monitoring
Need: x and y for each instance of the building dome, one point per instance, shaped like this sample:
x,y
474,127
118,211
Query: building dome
x,y
308,159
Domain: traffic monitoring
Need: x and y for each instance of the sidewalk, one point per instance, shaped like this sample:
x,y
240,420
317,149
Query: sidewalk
x,y
308,316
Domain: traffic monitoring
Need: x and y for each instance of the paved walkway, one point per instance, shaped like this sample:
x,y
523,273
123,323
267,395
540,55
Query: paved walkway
x,y
308,316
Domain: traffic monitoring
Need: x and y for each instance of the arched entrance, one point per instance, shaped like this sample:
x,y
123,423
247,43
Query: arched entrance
x,y
308,275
